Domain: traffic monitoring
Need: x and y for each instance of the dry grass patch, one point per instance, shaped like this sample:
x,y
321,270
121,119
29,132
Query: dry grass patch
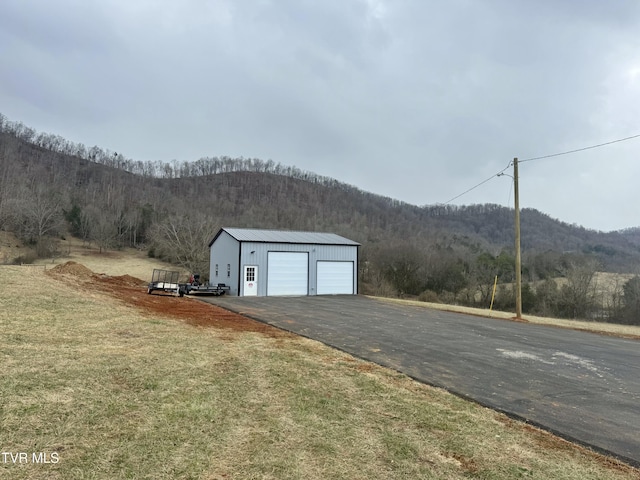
x,y
127,261
627,331
118,394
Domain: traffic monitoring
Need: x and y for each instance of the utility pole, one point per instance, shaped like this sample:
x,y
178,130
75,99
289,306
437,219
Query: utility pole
x,y
517,245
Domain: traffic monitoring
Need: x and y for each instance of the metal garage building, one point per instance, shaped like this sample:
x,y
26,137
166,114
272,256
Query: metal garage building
x,y
277,262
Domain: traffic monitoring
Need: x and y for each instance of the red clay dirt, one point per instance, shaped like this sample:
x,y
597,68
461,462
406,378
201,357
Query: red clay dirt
x,y
133,291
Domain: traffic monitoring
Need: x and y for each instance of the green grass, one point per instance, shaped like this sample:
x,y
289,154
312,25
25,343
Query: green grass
x,y
116,394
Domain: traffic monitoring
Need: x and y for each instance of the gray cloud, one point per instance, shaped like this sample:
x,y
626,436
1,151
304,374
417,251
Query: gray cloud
x,y
415,100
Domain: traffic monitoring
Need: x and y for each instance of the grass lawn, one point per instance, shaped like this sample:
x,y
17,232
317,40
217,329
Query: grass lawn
x,y
104,390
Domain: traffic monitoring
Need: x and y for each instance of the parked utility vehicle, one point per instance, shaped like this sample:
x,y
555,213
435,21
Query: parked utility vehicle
x,y
168,281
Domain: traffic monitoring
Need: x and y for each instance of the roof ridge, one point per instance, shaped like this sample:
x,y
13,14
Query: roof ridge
x,y
284,236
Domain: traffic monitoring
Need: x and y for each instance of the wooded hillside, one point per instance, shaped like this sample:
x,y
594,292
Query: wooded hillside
x,y
50,187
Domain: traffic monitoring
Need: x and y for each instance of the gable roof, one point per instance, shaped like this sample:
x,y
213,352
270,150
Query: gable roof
x,y
284,236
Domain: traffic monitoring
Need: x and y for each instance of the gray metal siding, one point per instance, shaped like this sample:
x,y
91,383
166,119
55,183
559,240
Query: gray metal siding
x,y
225,251
316,253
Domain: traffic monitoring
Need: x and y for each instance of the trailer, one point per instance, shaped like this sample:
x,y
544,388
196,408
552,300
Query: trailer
x,y
165,281
168,281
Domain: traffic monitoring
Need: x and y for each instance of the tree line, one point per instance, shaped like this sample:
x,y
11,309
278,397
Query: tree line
x,y
574,287
174,169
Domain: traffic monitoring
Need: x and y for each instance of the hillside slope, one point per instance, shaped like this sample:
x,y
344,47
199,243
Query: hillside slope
x,y
252,193
50,187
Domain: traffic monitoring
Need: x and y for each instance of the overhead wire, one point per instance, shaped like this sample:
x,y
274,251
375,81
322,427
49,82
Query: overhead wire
x,y
501,172
478,185
579,149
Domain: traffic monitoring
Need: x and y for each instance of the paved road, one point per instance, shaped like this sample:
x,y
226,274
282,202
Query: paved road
x,y
583,386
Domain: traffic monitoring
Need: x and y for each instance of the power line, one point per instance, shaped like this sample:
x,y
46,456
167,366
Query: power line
x,y
478,185
579,149
540,158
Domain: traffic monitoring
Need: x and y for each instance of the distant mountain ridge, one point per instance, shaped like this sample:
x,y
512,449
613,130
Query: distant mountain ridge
x,y
107,188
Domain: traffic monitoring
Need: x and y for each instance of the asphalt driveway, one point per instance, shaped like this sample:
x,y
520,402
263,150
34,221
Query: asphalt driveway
x,y
583,386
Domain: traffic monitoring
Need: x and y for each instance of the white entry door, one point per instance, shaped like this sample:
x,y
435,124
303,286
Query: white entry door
x,y
250,280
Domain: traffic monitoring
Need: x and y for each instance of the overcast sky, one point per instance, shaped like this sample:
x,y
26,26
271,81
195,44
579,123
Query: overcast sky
x,y
412,99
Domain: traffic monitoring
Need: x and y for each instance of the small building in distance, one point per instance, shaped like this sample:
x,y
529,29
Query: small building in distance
x,y
277,262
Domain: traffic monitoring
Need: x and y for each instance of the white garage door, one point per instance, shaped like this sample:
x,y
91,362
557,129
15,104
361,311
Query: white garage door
x,y
335,278
287,273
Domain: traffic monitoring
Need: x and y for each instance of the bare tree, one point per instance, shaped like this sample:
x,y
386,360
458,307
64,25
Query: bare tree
x,y
577,296
102,227
631,313
402,266
184,240
614,301
34,214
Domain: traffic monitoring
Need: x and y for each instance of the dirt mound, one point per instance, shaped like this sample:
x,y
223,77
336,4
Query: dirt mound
x,y
78,270
125,280
133,291
71,268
